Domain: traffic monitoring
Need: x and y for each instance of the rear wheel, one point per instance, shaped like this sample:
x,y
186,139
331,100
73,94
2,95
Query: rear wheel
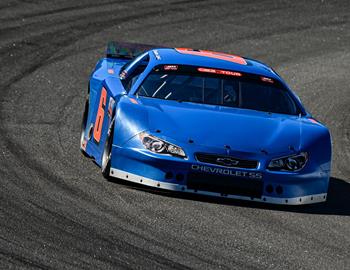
x,y
83,140
106,156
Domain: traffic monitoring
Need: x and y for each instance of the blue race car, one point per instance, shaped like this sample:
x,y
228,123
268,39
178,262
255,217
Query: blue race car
x,y
203,122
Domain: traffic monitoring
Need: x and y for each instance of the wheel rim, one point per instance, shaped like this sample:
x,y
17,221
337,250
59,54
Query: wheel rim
x,y
105,159
106,156
82,137
83,124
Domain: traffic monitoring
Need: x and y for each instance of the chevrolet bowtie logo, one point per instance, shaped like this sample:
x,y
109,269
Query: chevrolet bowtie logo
x,y
227,161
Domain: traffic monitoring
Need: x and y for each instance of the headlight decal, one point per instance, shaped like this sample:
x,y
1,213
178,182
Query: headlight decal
x,y
290,163
159,146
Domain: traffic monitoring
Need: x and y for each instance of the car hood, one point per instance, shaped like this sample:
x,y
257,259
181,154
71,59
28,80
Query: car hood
x,y
217,126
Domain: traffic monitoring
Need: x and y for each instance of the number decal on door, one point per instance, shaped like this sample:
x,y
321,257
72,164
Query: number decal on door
x,y
100,115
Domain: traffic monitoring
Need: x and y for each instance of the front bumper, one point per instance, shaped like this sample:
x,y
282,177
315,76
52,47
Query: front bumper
x,y
169,173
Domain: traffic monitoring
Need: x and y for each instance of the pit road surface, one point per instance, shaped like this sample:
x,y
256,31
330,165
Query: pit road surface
x,y
58,212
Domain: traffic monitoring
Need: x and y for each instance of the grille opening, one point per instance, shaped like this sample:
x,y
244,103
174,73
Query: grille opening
x,y
269,188
168,175
179,177
225,184
227,161
279,190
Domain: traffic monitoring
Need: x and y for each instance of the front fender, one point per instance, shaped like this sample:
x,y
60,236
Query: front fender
x,y
131,118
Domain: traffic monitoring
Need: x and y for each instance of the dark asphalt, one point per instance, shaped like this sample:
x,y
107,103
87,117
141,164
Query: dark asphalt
x,y
58,212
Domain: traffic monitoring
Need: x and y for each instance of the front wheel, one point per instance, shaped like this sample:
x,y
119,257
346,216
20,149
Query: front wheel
x,y
106,156
83,140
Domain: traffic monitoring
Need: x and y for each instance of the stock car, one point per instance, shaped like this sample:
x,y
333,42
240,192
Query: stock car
x,y
203,122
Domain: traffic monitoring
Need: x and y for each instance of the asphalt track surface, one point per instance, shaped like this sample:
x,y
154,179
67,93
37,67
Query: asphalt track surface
x,y
58,212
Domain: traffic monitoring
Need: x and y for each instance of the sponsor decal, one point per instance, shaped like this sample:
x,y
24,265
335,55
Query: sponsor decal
x,y
170,67
156,54
225,171
220,71
266,79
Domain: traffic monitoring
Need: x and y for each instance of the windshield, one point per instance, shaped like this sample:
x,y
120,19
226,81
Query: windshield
x,y
230,91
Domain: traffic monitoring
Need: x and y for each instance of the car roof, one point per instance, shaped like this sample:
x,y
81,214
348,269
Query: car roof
x,y
202,58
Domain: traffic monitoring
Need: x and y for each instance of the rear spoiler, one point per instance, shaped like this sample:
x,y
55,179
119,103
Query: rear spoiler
x,y
116,49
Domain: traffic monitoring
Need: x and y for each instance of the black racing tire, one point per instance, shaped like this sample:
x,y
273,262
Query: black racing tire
x,y
83,126
106,156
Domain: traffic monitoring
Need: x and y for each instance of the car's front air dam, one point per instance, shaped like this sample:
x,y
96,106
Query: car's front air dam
x,y
166,172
